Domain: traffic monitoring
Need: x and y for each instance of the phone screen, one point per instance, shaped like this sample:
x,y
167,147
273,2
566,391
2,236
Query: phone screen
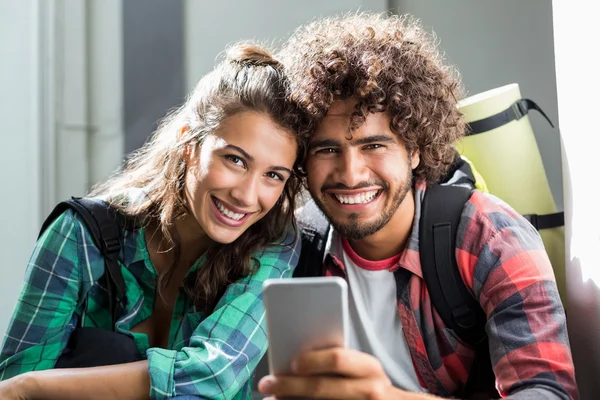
x,y
304,314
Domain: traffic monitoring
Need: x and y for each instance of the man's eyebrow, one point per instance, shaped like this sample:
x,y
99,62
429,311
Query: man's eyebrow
x,y
375,139
357,142
323,143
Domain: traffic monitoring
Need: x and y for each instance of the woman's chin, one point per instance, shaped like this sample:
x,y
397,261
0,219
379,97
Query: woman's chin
x,y
224,235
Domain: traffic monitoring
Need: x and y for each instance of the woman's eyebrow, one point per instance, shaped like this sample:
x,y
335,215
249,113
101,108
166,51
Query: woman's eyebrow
x,y
251,159
240,150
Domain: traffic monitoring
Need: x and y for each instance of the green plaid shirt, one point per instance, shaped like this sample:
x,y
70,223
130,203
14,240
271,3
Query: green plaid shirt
x,y
209,356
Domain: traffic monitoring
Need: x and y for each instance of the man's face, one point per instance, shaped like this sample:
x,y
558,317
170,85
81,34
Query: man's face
x,y
359,183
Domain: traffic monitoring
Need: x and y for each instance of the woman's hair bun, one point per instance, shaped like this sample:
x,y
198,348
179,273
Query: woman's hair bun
x,y
251,54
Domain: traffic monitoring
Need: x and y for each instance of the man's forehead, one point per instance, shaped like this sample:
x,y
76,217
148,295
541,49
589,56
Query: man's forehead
x,y
341,108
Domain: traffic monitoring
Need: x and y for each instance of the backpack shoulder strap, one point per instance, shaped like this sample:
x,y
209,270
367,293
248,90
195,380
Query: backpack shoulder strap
x,y
314,228
441,212
101,222
440,216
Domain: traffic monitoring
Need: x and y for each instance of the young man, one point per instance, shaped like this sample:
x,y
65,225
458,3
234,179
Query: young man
x,y
382,122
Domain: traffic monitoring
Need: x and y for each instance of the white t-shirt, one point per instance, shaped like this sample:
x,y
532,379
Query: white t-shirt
x,y
375,324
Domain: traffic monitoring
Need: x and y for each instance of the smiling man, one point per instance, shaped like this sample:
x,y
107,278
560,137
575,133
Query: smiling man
x,y
383,119
361,179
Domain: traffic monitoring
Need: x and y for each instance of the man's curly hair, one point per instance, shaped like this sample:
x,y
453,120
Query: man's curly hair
x,y
389,64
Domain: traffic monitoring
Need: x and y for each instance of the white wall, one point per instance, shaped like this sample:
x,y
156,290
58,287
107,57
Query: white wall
x,y
61,109
105,84
211,25
88,94
575,35
494,43
20,114
70,102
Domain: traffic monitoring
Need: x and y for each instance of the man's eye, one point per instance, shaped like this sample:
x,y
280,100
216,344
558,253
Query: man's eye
x,y
373,146
325,151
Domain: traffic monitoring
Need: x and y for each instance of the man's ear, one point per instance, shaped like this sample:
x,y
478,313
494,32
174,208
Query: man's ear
x,y
415,158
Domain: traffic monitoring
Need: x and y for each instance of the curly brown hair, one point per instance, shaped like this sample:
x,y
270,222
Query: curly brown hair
x,y
389,63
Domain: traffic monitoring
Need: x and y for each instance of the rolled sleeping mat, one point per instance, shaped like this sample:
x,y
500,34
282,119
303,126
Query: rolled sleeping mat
x,y
501,145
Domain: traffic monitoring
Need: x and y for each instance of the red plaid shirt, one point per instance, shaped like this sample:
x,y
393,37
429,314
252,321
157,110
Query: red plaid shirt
x,y
503,262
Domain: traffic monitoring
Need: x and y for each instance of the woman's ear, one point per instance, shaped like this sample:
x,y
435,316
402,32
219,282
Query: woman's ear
x,y
182,132
187,150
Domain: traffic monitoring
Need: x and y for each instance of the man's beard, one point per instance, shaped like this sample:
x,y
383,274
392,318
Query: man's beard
x,y
356,230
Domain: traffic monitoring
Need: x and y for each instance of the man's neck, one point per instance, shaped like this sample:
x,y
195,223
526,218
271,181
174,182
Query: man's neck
x,y
391,239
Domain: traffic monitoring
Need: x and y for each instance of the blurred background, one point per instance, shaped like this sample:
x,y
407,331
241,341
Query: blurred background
x,y
84,82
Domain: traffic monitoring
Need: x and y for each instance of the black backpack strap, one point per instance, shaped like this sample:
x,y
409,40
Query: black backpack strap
x,y
441,211
546,221
516,111
101,222
440,216
314,228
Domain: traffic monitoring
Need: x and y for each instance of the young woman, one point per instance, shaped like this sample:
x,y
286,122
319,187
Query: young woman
x,y
211,197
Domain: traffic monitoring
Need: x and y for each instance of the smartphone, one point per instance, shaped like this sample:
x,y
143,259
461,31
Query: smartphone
x,y
304,314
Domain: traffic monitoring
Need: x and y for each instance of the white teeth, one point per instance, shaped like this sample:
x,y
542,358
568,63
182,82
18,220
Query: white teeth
x,y
361,198
227,212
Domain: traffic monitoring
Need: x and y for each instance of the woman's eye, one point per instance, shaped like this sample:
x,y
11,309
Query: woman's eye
x,y
235,160
274,175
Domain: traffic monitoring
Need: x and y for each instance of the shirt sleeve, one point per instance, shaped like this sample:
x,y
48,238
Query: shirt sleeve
x,y
514,281
43,317
224,348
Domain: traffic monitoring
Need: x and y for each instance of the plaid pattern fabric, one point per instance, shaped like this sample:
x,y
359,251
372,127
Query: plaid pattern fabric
x,y
210,356
503,262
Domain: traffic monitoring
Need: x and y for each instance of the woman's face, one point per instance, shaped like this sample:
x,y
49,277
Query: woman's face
x,y
237,174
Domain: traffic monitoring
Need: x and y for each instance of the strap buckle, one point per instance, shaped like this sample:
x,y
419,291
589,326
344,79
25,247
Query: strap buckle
x,y
533,220
112,245
520,109
464,317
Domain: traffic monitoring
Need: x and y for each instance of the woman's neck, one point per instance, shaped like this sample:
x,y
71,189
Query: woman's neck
x,y
192,241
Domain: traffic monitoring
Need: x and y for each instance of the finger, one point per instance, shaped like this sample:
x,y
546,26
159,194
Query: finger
x,y
322,387
337,361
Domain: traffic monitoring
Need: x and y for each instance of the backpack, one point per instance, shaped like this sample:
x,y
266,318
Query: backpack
x,y
88,346
101,222
441,211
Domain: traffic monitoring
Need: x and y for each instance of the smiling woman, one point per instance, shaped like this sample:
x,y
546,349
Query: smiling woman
x,y
206,213
233,180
